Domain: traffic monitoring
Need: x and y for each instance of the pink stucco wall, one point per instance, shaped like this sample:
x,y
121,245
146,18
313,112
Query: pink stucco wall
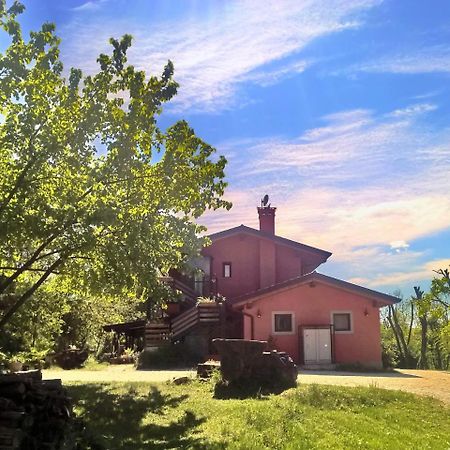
x,y
256,263
243,253
313,306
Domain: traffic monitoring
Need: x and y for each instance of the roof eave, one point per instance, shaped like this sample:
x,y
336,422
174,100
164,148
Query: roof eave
x,y
383,299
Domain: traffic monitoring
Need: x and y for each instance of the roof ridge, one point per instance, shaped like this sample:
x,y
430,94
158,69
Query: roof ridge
x,y
280,239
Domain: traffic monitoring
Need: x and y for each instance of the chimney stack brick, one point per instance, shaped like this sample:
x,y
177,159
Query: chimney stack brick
x,y
267,219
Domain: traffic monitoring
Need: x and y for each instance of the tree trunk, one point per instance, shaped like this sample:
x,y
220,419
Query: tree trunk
x,y
406,358
423,361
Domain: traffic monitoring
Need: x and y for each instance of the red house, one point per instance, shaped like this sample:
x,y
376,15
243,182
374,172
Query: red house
x,y
273,293
272,283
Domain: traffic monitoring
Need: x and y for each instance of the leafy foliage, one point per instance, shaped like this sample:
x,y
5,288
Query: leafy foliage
x,y
416,333
94,196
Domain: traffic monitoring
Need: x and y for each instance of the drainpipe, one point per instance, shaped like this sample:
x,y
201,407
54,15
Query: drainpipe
x,y
252,324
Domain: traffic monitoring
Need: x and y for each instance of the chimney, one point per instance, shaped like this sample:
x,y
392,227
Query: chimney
x,y
266,216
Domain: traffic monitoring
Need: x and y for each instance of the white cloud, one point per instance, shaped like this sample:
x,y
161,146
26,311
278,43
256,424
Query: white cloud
x,y
399,246
356,146
413,110
90,6
414,276
426,60
214,54
269,77
364,186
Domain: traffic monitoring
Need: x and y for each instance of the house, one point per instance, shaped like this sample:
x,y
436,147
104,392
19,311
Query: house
x,y
273,292
272,283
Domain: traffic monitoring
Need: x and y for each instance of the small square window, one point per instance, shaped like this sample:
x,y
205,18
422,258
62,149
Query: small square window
x,y
342,322
282,323
227,270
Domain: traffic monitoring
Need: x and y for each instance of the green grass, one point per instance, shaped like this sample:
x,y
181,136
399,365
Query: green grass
x,y
164,416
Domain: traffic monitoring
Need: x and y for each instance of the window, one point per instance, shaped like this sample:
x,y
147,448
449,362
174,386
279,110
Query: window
x,y
342,322
283,322
227,270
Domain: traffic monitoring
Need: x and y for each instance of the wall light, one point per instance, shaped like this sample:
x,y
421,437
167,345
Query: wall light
x,y
258,314
366,312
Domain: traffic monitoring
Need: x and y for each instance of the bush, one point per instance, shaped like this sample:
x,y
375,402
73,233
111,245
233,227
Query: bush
x,y
166,357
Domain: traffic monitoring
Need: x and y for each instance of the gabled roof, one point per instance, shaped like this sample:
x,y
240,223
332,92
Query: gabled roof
x,y
320,278
262,234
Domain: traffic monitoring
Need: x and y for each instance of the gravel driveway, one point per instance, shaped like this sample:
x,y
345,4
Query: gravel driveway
x,y
422,382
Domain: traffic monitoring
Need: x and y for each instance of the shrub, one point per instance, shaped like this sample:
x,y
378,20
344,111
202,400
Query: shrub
x,y
167,356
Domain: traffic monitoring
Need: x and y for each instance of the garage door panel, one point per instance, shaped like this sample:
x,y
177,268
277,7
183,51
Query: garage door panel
x,y
317,345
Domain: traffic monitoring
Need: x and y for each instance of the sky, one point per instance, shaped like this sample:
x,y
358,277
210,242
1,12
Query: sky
x,y
338,109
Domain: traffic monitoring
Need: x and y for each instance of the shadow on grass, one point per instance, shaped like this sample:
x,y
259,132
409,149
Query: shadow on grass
x,y
114,420
244,389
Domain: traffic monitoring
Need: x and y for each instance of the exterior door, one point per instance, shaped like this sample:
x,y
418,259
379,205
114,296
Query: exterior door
x,y
317,345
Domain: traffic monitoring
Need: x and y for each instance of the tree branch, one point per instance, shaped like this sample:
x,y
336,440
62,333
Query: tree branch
x,y
26,295
26,270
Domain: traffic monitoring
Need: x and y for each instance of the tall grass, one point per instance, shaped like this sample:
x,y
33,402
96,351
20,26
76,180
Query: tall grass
x,y
164,416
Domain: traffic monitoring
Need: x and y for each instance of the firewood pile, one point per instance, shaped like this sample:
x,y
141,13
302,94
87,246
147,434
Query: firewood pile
x,y
34,413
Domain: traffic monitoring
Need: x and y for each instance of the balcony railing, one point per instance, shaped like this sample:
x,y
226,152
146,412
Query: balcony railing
x,y
191,287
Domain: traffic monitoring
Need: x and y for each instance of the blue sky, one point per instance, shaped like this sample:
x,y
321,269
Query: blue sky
x,y
338,109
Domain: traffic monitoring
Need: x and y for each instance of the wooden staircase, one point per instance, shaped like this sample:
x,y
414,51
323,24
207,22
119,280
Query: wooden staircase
x,y
157,334
200,314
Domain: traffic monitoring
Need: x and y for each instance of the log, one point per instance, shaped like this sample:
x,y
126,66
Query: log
x,y
35,374
11,437
52,384
8,404
13,390
48,411
15,419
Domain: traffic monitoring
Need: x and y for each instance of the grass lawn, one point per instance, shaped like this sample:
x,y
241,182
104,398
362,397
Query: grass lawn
x,y
163,416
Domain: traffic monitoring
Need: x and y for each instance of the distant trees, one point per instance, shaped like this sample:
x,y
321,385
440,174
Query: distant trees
x,y
93,193
417,331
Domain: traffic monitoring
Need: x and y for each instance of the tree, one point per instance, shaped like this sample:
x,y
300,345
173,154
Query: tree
x,y
400,319
420,326
91,189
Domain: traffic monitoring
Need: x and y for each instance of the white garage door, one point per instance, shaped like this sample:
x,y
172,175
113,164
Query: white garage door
x,y
317,345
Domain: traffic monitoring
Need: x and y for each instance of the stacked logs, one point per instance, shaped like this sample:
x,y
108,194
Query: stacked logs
x,y
34,413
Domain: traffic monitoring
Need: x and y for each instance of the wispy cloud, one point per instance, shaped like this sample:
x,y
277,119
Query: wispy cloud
x,y
214,54
425,60
90,6
353,146
413,110
365,186
269,77
415,275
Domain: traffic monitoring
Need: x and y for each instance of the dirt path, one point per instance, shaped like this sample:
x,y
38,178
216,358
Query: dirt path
x,y
422,382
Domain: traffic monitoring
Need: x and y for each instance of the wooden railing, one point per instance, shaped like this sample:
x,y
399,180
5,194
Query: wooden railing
x,y
191,287
157,334
201,313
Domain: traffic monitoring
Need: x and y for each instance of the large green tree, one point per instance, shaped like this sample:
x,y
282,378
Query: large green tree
x,y
91,189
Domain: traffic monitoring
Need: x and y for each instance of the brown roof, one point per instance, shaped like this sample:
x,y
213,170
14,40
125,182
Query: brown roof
x,y
314,276
273,237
